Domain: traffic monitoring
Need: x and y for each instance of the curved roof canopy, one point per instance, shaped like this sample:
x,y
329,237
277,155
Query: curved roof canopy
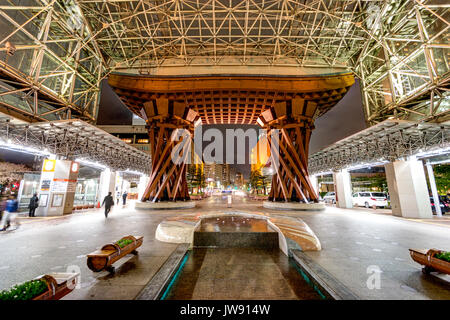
x,y
232,99
54,54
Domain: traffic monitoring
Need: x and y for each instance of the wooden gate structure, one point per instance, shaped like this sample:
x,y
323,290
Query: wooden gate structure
x,y
286,103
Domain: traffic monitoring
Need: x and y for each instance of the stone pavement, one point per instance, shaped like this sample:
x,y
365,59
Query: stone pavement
x,y
352,241
240,273
356,242
61,244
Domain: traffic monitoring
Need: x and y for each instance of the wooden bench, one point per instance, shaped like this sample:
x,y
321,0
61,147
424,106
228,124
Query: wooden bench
x,y
104,258
59,285
430,263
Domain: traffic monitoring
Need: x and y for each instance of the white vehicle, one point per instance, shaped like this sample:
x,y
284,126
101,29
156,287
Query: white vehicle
x,y
330,197
369,199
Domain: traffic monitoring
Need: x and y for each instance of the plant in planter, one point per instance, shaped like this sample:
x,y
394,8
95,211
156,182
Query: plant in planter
x,y
124,242
25,291
104,258
444,255
432,260
52,286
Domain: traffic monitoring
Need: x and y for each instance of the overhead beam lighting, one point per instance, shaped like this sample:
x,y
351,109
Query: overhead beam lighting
x,y
133,172
8,145
93,164
367,165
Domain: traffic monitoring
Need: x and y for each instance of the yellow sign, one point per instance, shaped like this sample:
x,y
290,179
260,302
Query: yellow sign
x,y
49,165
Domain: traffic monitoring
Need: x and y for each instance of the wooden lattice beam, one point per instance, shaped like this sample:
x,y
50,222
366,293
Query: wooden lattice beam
x,y
288,104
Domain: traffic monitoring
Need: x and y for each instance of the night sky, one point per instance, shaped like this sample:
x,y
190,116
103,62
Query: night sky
x,y
344,119
112,110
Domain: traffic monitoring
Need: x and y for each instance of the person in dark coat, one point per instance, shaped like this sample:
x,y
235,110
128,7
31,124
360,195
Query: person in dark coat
x,y
34,203
124,196
108,202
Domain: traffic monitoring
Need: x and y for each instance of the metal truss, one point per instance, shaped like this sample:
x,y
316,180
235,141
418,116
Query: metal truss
x,y
397,48
49,67
404,68
144,34
386,141
130,176
75,139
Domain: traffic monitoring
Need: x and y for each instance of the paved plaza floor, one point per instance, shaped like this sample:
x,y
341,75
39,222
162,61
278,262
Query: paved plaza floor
x,y
355,242
240,273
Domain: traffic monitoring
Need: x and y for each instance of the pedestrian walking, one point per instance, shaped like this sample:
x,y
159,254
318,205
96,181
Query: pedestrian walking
x,y
2,206
10,214
108,202
124,197
34,203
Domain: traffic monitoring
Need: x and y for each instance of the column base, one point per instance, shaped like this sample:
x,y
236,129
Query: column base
x,y
164,205
294,206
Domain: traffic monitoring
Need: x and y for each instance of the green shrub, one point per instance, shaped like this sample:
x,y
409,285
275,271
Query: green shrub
x,y
25,291
124,242
322,193
443,256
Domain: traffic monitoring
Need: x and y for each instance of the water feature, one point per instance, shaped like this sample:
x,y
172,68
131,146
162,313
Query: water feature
x,y
235,231
237,257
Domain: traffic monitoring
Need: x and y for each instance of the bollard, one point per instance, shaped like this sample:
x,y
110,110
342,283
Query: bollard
x,y
229,201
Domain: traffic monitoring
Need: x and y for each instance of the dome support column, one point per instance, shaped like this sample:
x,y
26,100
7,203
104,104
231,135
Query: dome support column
x,y
290,123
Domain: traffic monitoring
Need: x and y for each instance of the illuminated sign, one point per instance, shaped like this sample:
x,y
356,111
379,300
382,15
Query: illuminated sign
x,y
49,165
75,167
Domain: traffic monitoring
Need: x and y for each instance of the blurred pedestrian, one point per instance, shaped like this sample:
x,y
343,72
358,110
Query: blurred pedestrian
x,y
2,205
10,214
108,202
34,203
124,196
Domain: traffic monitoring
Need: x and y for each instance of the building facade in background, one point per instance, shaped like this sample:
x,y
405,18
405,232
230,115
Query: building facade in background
x,y
134,135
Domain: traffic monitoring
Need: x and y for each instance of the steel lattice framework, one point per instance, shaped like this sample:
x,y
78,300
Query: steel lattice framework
x,y
75,139
50,69
63,48
386,141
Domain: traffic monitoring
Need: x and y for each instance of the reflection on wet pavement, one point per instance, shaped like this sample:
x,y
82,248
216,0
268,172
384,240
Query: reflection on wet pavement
x,y
234,223
240,273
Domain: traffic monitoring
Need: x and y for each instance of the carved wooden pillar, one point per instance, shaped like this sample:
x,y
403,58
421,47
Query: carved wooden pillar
x,y
292,122
168,178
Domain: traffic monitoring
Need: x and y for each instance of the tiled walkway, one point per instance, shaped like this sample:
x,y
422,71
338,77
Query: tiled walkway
x,y
61,244
356,242
353,242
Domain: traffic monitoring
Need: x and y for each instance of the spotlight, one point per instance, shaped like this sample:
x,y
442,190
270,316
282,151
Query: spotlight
x,y
10,48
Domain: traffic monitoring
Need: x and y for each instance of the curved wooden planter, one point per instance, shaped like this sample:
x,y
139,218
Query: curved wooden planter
x,y
104,258
58,284
430,263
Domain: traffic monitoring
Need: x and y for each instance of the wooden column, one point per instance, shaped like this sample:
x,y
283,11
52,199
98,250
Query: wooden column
x,y
294,121
168,179
224,98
